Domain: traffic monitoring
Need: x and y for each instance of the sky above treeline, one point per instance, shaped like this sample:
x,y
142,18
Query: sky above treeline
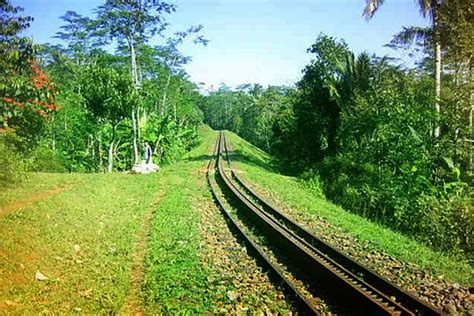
x,y
255,41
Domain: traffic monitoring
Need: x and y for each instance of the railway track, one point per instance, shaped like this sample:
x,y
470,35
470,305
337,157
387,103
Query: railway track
x,y
358,288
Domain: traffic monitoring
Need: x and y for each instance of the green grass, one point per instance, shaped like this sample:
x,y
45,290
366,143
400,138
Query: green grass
x,y
102,216
175,279
105,214
35,184
255,164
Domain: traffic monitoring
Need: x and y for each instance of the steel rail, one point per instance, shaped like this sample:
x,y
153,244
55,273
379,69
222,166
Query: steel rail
x,y
363,298
303,302
378,288
408,300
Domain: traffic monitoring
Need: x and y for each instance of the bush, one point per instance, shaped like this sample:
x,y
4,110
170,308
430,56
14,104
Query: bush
x,y
440,216
44,159
12,165
310,180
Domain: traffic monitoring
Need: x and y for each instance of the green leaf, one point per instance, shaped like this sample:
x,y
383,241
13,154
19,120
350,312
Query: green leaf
x,y
415,134
449,162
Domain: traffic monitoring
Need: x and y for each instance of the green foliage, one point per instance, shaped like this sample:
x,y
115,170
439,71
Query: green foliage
x,y
250,111
169,139
301,201
359,131
12,165
44,159
108,93
105,108
16,54
312,182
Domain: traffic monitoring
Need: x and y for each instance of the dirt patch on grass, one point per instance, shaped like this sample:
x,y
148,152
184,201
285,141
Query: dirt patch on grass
x,y
22,256
133,301
8,306
18,205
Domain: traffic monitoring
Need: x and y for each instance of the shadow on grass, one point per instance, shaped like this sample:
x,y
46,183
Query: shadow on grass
x,y
243,157
199,158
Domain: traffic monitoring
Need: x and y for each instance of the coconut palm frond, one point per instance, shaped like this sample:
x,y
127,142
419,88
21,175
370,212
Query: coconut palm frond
x,y
425,7
371,6
411,35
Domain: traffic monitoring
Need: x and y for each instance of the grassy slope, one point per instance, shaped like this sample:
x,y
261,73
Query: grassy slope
x,y
103,214
35,183
255,164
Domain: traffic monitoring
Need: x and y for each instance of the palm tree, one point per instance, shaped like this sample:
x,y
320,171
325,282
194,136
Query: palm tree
x,y
427,8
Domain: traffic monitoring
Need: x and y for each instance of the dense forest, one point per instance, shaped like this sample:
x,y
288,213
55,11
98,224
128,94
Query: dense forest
x,y
90,104
390,143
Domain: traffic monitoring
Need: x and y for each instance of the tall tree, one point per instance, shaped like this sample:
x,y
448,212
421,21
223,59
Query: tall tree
x,y
132,22
174,59
427,8
321,106
457,20
78,32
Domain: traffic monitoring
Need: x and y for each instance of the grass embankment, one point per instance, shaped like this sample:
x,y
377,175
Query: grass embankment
x,y
256,168
88,241
37,184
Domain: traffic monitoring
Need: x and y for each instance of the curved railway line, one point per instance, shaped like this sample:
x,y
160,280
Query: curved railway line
x,y
359,289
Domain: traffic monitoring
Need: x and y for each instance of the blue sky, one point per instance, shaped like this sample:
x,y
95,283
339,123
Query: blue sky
x,y
262,41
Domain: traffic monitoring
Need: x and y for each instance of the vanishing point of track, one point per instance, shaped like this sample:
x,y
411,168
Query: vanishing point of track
x,y
358,288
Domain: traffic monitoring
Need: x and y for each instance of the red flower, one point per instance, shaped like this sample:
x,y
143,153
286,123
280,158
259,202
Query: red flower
x,y
13,102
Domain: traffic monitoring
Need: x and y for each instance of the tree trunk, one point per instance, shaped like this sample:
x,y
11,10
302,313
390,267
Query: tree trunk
x,y
135,146
53,136
163,101
100,151
133,60
111,150
133,57
437,87
92,146
138,125
111,157
437,130
471,115
165,92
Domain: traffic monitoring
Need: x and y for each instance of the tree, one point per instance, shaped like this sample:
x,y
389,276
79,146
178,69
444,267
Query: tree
x,y
427,8
457,32
78,32
26,93
174,59
109,95
132,22
320,106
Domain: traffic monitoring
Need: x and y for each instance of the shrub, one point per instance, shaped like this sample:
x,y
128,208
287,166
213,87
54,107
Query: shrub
x,y
12,165
310,180
439,215
44,159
